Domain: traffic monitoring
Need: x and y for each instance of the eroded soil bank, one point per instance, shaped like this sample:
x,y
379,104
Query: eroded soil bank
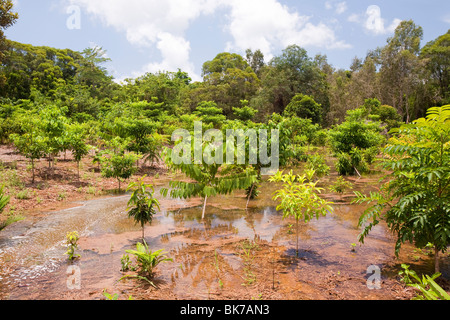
x,y
232,254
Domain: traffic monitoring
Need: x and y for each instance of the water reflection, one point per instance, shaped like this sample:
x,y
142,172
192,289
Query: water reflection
x,y
207,254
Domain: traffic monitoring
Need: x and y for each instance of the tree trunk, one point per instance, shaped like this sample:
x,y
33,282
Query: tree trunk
x,y
32,169
78,167
119,184
297,236
249,196
204,208
436,260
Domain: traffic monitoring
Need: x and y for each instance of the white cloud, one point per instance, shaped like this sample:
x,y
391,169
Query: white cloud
x,y
376,24
339,7
354,18
256,24
148,23
267,24
180,57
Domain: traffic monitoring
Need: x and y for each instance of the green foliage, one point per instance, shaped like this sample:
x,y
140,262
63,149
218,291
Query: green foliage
x,y
108,296
318,164
76,140
303,106
32,143
209,113
341,185
120,165
142,204
126,263
147,261
429,289
356,141
299,198
355,132
417,195
210,177
72,244
4,200
437,55
245,113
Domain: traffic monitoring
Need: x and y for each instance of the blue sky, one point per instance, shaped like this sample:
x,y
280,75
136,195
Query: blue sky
x,y
148,35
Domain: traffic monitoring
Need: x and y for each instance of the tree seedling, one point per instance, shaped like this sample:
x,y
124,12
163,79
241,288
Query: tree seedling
x,y
72,244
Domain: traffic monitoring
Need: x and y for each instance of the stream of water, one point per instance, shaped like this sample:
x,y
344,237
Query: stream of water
x,y
33,264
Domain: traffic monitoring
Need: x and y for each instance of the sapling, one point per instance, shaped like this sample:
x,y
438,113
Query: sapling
x,y
142,205
72,244
146,260
299,198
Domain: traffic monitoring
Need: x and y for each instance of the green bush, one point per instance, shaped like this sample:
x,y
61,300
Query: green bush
x,y
344,164
146,260
318,164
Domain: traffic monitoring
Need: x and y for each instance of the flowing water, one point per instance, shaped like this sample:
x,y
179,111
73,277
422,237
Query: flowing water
x,y
207,255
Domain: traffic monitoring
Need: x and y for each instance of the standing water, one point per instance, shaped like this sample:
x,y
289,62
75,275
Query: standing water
x,y
233,253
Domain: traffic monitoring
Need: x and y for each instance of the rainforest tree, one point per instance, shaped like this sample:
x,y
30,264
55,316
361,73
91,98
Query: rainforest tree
x,y
415,199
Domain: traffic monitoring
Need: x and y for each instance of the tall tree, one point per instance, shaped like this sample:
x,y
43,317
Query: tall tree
x,y
91,71
7,19
415,199
291,73
401,69
255,60
437,55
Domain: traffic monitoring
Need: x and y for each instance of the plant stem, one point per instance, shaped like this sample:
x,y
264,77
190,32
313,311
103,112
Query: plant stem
x,y
436,260
204,208
297,235
249,196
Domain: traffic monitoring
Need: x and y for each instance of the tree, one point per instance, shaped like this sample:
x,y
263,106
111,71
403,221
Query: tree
x,y
31,143
305,107
227,79
291,73
255,61
245,113
90,71
142,204
118,164
355,141
210,114
7,19
300,198
77,143
401,69
415,200
437,55
210,177
53,124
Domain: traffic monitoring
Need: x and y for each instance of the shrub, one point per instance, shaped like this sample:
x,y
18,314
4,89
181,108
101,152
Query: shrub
x,y
318,164
146,261
72,244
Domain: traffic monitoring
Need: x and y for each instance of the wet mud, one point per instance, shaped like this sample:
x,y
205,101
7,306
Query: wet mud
x,y
233,254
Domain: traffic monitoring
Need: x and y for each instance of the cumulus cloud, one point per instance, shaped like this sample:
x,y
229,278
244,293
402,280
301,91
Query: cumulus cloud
x,y
373,22
256,24
267,24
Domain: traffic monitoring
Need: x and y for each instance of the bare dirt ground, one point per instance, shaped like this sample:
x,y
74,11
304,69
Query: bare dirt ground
x,y
222,268
58,187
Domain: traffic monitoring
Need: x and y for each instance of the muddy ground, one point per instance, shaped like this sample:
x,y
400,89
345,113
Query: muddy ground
x,y
233,254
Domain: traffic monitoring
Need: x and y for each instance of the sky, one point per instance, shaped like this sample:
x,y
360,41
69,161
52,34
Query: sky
x,y
141,36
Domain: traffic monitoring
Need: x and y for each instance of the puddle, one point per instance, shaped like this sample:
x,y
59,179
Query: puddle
x,y
211,259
